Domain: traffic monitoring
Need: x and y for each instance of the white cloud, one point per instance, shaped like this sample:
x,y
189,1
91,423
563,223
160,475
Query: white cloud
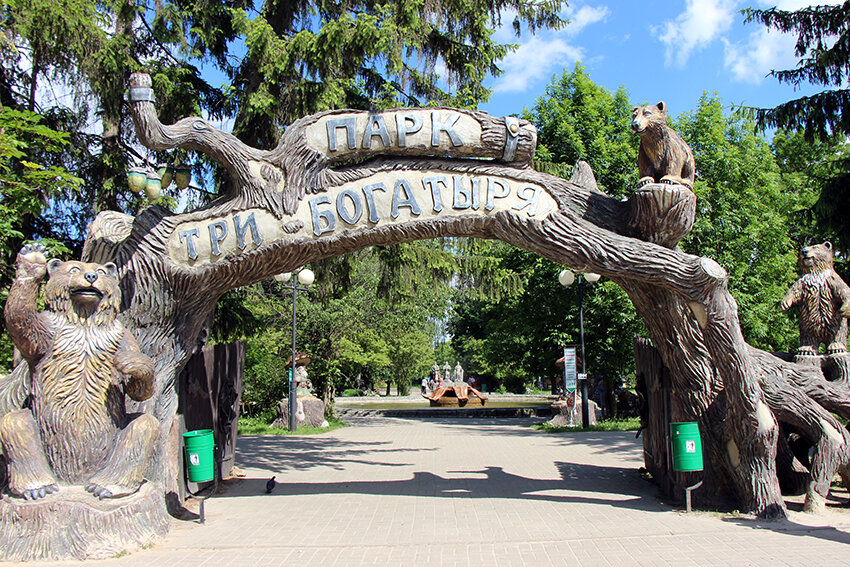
x,y
585,16
539,55
766,49
702,22
533,61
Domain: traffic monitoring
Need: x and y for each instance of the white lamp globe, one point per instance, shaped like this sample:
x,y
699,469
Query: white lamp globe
x,y
306,277
590,277
284,277
567,278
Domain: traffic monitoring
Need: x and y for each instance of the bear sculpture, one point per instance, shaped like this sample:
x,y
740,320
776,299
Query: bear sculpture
x,y
73,427
824,302
663,156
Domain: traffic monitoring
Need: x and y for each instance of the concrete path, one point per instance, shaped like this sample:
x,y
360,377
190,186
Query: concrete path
x,y
470,492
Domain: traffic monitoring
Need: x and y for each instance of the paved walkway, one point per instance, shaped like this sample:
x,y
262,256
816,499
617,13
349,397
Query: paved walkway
x,y
470,492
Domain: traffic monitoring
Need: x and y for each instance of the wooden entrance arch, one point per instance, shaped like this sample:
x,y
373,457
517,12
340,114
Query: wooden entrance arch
x,y
343,180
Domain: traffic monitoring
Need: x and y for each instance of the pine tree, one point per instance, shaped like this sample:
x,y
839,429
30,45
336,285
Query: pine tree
x,y
823,46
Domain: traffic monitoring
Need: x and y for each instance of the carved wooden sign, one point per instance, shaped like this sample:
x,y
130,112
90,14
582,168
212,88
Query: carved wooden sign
x,y
380,199
410,131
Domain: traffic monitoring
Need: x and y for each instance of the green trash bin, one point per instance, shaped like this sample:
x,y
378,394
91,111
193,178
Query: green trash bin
x,y
199,455
687,446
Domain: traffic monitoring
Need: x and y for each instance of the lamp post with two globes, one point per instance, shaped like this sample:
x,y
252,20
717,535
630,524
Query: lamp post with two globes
x,y
567,278
304,277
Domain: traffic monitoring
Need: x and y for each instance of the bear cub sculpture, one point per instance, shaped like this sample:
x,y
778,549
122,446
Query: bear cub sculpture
x,y
663,156
823,300
73,427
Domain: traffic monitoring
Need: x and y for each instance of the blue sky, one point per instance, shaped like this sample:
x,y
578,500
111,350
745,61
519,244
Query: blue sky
x,y
671,50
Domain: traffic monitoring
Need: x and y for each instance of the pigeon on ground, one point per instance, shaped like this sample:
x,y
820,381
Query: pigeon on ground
x,y
270,485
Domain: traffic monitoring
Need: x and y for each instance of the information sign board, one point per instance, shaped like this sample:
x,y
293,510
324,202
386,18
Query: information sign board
x,y
570,369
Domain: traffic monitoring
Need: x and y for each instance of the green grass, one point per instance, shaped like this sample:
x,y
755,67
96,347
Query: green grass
x,y
259,426
627,424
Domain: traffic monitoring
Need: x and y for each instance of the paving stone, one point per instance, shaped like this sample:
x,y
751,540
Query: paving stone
x,y
469,492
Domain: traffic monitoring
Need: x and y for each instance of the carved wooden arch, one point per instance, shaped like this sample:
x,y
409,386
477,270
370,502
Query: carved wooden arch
x,y
468,174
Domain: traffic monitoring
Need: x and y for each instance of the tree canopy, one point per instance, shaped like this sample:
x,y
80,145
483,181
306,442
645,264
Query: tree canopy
x,y
823,49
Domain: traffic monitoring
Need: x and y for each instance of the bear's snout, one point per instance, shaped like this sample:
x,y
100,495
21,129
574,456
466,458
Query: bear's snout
x,y
91,277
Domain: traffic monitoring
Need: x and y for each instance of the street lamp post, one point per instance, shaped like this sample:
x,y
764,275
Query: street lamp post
x,y
305,277
567,278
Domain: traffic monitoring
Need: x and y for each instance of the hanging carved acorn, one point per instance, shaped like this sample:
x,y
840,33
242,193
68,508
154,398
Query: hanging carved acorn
x,y
153,188
182,176
137,179
166,172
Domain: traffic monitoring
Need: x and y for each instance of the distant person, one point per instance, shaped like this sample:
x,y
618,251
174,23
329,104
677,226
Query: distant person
x,y
425,386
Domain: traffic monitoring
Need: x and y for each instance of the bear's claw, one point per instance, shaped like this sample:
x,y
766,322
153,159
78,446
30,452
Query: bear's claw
x,y
32,247
99,491
37,493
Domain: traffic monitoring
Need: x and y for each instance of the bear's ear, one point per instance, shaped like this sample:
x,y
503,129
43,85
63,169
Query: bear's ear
x,y
827,245
661,106
635,109
53,265
111,269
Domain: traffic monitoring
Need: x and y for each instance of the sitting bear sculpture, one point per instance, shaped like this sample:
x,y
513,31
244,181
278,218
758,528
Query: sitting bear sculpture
x,y
73,427
663,156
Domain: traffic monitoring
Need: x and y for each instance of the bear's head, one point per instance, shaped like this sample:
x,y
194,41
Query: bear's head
x,y
649,117
815,258
83,292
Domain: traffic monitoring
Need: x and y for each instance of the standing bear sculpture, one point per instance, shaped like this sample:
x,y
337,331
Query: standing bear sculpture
x,y
72,427
823,300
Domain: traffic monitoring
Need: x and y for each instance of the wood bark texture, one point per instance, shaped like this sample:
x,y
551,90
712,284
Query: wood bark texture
x,y
716,378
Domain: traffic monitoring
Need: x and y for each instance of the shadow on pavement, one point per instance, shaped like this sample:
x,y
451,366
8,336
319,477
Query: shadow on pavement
x,y
598,441
791,528
624,486
302,453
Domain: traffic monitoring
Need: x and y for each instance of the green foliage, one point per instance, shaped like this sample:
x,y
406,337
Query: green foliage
x,y
627,424
513,341
518,339
303,56
26,182
821,170
579,120
743,220
266,381
823,49
260,426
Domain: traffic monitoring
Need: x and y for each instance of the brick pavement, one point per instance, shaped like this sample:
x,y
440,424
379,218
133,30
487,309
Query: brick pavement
x,y
470,492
